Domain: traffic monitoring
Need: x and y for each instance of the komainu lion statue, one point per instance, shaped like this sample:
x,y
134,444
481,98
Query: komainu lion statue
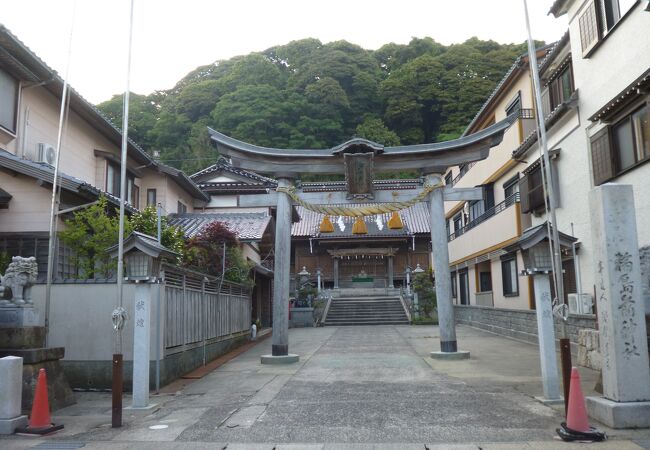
x,y
19,277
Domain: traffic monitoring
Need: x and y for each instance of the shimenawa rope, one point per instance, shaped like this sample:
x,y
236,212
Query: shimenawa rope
x,y
359,211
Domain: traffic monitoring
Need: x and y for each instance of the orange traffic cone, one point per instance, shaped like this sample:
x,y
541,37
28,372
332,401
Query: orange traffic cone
x,y
577,426
39,421
576,417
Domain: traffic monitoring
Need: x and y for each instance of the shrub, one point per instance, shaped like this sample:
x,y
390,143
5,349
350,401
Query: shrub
x,y
423,286
205,251
146,221
88,234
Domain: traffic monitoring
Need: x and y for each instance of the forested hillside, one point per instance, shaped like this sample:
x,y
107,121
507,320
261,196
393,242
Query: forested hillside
x,y
311,95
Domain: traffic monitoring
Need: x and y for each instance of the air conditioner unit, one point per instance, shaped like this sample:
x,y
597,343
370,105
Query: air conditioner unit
x,y
586,304
46,153
581,304
574,306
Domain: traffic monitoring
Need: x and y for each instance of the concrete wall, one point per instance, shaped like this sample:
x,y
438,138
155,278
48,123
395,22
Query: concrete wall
x,y
498,229
80,321
250,251
29,209
222,201
518,324
175,194
39,111
85,374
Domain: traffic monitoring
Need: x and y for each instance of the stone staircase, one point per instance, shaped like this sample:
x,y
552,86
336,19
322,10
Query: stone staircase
x,y
375,310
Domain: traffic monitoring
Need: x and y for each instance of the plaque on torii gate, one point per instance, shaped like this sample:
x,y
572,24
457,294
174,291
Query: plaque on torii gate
x,y
358,159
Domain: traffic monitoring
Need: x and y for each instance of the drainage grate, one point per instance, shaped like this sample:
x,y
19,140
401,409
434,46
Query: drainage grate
x,y
59,445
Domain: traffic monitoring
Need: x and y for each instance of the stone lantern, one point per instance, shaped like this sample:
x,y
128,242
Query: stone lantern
x,y
416,307
536,254
143,257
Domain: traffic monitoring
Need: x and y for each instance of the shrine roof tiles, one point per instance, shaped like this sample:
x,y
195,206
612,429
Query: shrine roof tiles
x,y
415,219
222,165
247,226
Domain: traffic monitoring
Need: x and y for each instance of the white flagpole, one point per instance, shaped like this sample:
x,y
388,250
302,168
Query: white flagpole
x,y
54,209
555,243
117,357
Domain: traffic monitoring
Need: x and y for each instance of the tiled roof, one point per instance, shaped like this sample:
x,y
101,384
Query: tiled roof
x,y
145,243
554,51
247,226
634,91
45,172
415,219
519,62
559,7
335,186
234,186
552,118
222,165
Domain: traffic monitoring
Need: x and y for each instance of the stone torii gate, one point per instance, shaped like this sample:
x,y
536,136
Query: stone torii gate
x,y
358,159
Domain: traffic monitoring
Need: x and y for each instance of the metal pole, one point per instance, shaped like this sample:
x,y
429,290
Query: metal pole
x,y
576,267
55,181
160,286
565,348
159,222
118,374
158,305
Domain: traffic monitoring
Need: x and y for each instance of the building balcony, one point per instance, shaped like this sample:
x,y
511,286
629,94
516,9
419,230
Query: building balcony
x,y
488,231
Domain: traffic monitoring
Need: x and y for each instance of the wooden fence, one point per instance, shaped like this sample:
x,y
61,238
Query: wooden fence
x,y
200,310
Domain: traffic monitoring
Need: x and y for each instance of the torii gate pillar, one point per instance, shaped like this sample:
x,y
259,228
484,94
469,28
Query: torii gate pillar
x,y
447,324
280,339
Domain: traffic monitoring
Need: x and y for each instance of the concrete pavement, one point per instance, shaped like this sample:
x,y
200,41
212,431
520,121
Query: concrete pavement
x,y
354,388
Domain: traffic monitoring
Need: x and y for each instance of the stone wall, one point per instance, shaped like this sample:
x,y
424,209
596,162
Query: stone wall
x,y
96,374
301,317
517,323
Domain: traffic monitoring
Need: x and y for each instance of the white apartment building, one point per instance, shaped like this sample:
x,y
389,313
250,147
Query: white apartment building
x,y
606,135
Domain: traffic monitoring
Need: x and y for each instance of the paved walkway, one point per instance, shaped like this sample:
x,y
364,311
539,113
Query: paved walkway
x,y
355,387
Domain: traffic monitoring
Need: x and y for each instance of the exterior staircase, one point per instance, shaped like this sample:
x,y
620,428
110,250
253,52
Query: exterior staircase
x,y
375,310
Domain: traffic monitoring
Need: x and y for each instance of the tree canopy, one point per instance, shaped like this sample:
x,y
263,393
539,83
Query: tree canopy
x,y
306,94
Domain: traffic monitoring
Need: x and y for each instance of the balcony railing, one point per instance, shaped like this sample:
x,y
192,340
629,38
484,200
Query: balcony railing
x,y
496,209
526,113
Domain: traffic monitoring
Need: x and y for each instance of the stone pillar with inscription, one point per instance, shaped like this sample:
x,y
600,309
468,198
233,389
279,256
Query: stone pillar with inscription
x,y
621,313
141,346
546,339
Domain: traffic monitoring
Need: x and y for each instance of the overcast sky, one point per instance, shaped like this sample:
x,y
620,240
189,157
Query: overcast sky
x,y
172,37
